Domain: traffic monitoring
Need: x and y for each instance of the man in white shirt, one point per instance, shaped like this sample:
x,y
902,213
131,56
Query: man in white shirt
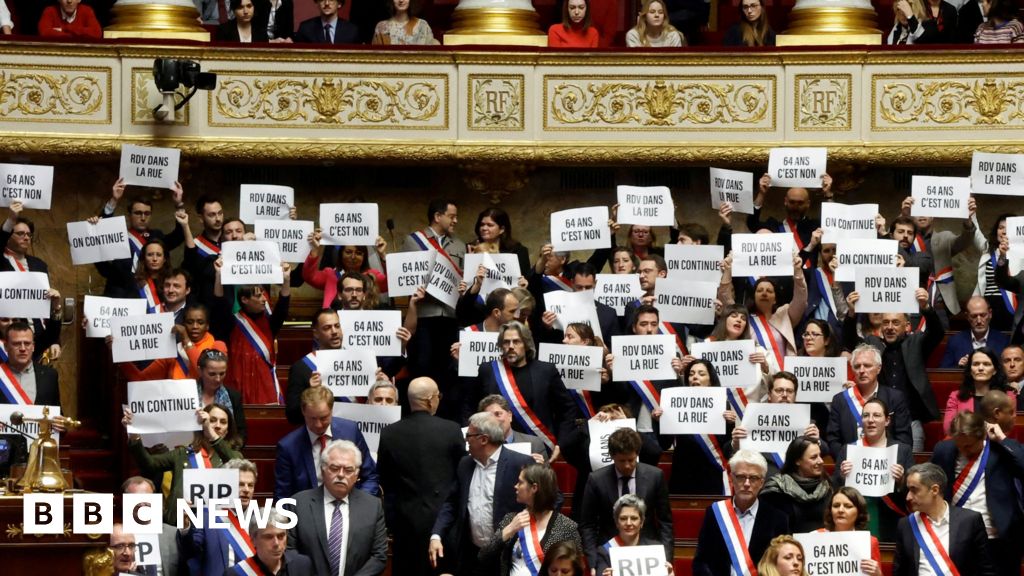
x,y
961,344
1013,366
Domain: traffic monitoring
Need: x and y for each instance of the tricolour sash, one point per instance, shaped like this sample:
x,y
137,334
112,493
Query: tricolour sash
x,y
666,328
737,400
430,243
3,353
136,241
970,477
199,461
552,283
648,393
855,402
149,292
11,388
206,247
732,535
1009,298
247,567
15,262
931,548
263,344
713,450
766,338
583,402
613,543
918,244
529,543
824,282
183,362
309,361
887,499
238,538
475,327
789,225
520,409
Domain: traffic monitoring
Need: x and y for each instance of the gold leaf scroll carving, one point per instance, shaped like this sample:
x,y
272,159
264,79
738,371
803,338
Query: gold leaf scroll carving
x,y
45,94
987,101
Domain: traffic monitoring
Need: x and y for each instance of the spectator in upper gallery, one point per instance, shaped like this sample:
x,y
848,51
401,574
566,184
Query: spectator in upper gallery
x,y
69,19
327,28
969,17
6,24
923,22
980,334
753,29
241,27
1001,26
403,27
688,16
575,30
652,30
277,17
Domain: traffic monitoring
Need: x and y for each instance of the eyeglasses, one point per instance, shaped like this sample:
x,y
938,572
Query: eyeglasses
x,y
749,7
744,478
475,434
812,334
122,547
22,234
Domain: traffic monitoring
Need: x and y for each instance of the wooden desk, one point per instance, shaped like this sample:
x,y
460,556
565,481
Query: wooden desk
x,y
58,554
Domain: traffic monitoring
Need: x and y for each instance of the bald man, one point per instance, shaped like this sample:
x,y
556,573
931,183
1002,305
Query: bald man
x,y
797,204
416,462
996,407
980,334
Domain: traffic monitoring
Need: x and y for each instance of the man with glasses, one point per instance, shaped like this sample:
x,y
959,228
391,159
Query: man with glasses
x,y
960,345
327,28
738,530
123,546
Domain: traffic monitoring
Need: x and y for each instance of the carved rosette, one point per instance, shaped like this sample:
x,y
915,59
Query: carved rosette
x,y
403,102
661,103
34,95
979,102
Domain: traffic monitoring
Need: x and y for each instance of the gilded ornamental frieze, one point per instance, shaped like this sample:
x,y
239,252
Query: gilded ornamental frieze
x,y
55,93
392,101
944,102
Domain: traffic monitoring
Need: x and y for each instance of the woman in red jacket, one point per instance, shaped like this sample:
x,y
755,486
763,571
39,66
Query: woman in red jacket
x,y
575,30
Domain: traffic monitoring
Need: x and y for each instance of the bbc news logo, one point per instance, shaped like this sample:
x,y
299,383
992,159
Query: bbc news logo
x,y
143,513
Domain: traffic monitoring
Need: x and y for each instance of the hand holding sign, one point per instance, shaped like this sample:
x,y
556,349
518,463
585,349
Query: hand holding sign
x,y
803,167
32,186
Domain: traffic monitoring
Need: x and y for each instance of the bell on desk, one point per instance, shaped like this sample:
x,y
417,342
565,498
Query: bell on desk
x,y
43,473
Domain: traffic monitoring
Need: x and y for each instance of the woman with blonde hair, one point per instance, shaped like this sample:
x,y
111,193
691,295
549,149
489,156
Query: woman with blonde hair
x,y
909,25
753,28
784,557
652,28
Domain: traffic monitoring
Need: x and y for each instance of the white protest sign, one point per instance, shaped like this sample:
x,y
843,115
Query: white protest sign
x,y
1015,230
759,255
997,174
24,295
265,202
734,187
647,206
771,427
801,167
731,359
209,484
854,253
599,433
143,337
693,410
347,372
686,303
349,224
870,474
579,366
572,307
695,262
580,229
940,196
29,412
1015,259
28,184
502,270
145,166
100,309
290,236
159,406
643,358
638,560
374,330
408,271
617,290
444,281
820,378
848,221
147,549
250,262
476,348
887,290
371,419
523,448
835,553
103,241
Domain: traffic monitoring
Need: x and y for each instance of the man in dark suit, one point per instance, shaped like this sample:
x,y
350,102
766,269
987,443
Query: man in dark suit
x,y
960,345
20,374
295,468
272,555
583,276
498,407
797,204
537,383
327,28
416,461
482,494
209,550
356,519
758,521
961,532
168,537
971,439
626,475
844,419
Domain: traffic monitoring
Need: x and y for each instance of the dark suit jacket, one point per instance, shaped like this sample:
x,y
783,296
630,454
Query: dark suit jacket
x,y
294,469
284,18
959,345
1014,284
842,425
228,32
597,524
712,557
916,348
968,546
294,562
543,391
47,386
1004,468
312,31
968,19
118,273
804,228
367,550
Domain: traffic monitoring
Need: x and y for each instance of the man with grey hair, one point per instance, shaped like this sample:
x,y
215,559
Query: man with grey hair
x,y
211,550
757,521
416,463
936,531
534,389
482,494
340,528
383,393
271,557
500,409
844,423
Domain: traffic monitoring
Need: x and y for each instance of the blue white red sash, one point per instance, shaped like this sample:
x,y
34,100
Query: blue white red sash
x,y
666,328
778,458
199,461
931,548
263,344
969,478
713,450
14,260
766,338
529,543
1009,298
824,282
648,392
790,226
136,241
427,243
11,388
183,362
206,247
475,327
3,352
149,292
309,361
238,538
583,402
613,543
522,412
855,402
247,567
732,535
552,283
918,244
737,400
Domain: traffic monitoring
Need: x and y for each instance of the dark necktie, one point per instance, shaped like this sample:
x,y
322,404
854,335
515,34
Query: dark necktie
x,y
334,541
327,34
625,485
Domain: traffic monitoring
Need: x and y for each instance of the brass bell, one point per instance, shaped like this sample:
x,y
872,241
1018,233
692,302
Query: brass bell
x,y
43,473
